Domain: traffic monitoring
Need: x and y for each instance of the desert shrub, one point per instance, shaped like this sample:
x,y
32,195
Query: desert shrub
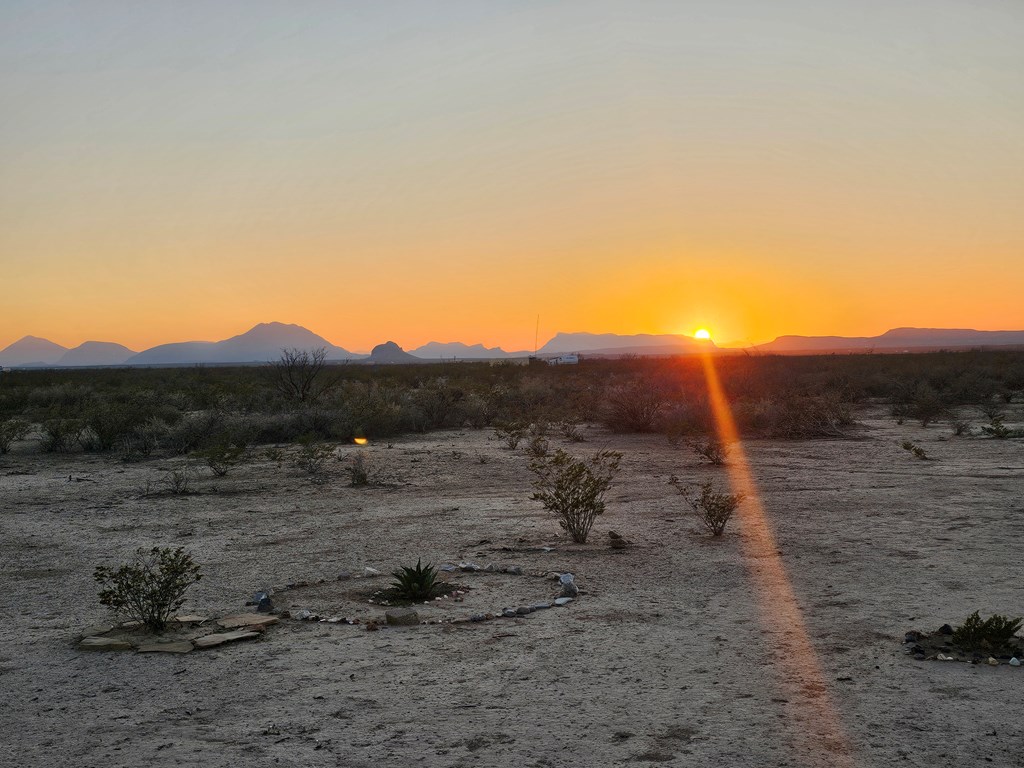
x,y
415,584
313,456
438,401
178,481
995,428
961,427
275,454
511,432
358,473
194,431
915,450
993,410
151,587
992,634
899,412
574,488
222,457
61,435
143,439
714,508
570,430
632,407
537,447
681,420
712,451
12,430
795,416
926,404
474,411
108,424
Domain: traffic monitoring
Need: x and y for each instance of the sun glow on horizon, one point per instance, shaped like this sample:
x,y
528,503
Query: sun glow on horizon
x,y
703,333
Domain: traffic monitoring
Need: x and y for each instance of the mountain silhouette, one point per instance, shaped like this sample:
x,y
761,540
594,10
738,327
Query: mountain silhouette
x,y
389,352
31,350
436,350
616,344
96,353
260,344
896,340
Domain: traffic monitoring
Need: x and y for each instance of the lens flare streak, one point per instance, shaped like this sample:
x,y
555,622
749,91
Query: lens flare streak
x,y
819,737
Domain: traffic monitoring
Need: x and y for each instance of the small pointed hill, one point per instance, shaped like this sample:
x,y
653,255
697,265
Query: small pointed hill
x,y
96,353
260,344
389,352
31,350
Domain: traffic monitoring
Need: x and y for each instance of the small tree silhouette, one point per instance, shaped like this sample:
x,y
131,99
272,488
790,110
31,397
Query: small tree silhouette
x,y
299,374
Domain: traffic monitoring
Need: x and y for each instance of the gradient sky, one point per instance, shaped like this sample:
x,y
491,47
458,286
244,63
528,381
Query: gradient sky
x,y
449,170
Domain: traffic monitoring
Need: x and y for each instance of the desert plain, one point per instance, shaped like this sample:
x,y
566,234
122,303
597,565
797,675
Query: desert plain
x,y
677,651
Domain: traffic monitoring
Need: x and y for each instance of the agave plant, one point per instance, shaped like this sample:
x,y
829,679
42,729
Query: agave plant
x,y
419,583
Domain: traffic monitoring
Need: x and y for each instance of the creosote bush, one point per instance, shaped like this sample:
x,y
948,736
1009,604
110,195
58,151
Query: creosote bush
x,y
313,456
917,451
151,587
12,430
511,432
221,458
415,584
574,488
358,474
178,481
714,508
712,451
992,634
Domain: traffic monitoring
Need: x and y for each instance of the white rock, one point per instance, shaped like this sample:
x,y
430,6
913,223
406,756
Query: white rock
x,y
1014,662
368,571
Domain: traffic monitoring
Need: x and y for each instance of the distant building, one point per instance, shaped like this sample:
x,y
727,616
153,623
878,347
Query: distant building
x,y
565,360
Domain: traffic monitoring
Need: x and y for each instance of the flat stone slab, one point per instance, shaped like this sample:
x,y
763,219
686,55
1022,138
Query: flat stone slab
x,y
402,617
179,646
562,601
98,629
190,619
211,641
247,620
104,644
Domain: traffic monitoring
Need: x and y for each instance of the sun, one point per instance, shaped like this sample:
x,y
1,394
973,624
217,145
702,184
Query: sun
x,y
703,333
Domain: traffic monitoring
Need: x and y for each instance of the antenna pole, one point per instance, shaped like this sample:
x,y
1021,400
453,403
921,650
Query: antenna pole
x,y
536,334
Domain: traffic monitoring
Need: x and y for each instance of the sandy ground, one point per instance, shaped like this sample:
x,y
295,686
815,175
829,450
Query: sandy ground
x,y
669,656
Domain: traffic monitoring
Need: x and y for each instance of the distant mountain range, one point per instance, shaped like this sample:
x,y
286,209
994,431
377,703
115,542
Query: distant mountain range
x,y
265,341
258,345
896,340
612,344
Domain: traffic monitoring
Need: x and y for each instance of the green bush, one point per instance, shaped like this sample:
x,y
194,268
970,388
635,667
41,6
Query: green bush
x,y
221,458
151,587
511,432
12,430
574,489
714,508
61,435
992,634
313,456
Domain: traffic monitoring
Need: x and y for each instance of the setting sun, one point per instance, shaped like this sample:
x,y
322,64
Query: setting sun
x,y
703,333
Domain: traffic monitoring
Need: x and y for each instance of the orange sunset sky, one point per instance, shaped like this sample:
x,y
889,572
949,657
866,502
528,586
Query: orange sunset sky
x,y
450,171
